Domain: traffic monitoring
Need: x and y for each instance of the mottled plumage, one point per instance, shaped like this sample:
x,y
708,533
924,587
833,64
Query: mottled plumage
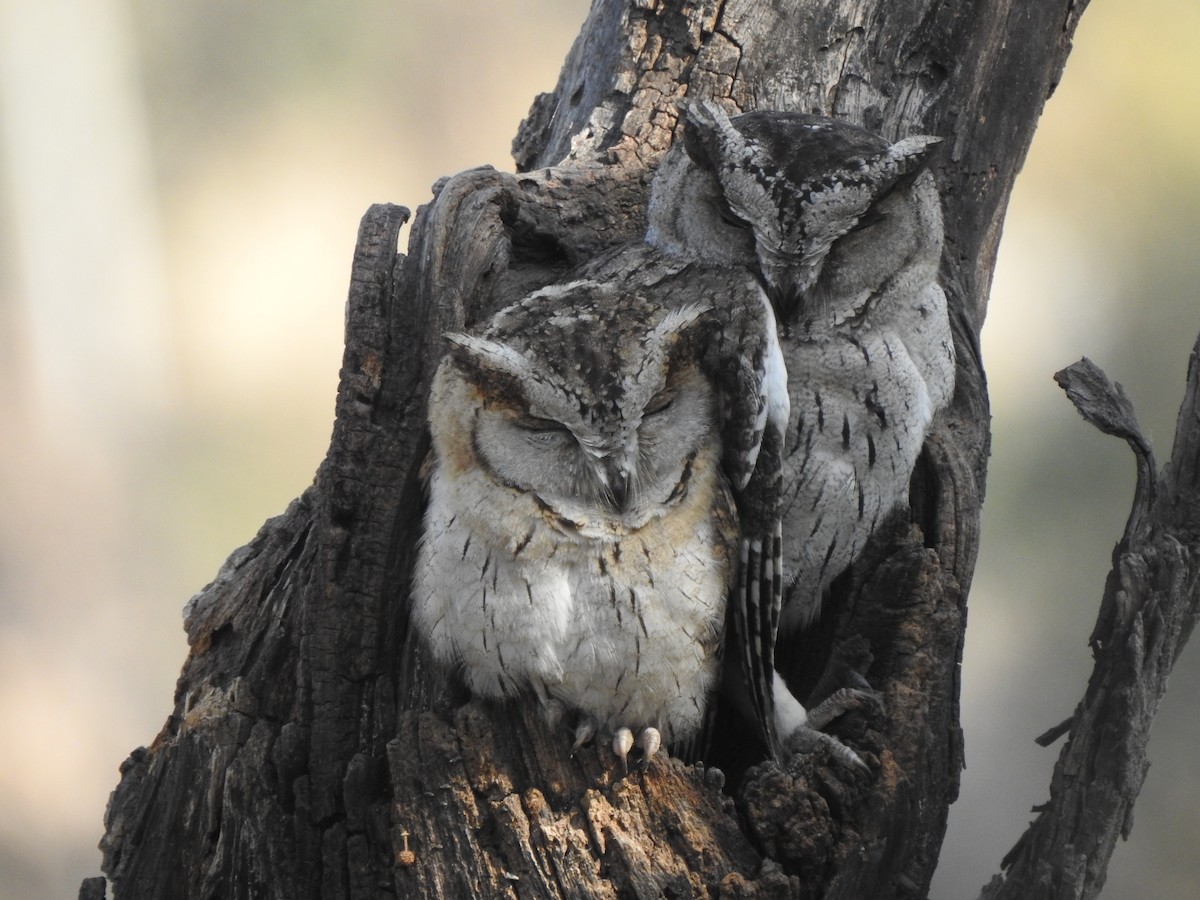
x,y
640,462
746,366
845,231
580,538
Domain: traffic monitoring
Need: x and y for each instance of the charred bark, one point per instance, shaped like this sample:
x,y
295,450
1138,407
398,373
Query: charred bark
x,y
315,752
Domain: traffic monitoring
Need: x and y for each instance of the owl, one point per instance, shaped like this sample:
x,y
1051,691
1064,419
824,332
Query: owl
x,y
581,536
640,474
844,230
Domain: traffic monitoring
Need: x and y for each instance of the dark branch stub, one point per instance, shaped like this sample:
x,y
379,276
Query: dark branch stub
x,y
1050,735
1105,404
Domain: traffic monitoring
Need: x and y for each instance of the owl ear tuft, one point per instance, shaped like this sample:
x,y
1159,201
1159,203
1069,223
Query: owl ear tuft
x,y
693,141
709,137
683,319
687,326
901,163
483,355
500,366
683,333
913,152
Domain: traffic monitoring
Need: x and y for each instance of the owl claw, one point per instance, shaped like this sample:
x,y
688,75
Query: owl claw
x,y
845,755
553,711
584,732
806,739
650,740
840,702
622,743
805,730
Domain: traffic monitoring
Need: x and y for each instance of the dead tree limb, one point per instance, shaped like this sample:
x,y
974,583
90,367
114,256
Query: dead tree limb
x,y
314,752
1150,604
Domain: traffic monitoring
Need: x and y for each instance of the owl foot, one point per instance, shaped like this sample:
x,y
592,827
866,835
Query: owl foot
x,y
841,702
553,711
584,732
622,743
804,729
648,741
807,739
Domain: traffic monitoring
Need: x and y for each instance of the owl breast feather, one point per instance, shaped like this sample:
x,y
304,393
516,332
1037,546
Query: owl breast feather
x,y
624,630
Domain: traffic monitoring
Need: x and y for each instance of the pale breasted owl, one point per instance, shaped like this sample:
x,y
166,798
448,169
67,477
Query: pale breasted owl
x,y
581,538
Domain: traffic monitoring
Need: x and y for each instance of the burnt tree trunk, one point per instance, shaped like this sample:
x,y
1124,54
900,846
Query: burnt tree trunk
x,y
315,752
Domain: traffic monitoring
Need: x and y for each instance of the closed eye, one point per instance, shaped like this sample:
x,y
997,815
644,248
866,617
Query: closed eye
x,y
658,404
731,220
544,432
534,423
869,219
729,217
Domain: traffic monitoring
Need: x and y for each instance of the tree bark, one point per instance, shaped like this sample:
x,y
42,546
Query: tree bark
x,y
314,751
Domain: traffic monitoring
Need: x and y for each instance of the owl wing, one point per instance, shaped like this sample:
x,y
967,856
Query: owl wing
x,y
747,363
758,593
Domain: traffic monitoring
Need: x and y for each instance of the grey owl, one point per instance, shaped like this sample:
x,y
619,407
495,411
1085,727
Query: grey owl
x,y
580,539
845,231
618,458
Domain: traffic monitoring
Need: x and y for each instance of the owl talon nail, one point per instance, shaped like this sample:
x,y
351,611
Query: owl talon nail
x,y
584,732
553,711
649,741
622,744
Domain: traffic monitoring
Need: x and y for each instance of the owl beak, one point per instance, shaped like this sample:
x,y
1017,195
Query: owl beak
x,y
787,287
619,487
621,491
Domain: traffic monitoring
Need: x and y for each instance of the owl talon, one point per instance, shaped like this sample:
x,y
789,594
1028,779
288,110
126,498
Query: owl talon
x,y
622,743
841,702
805,730
553,711
807,739
649,741
843,754
584,732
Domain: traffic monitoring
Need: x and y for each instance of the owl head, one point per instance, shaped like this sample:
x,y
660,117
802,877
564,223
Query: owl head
x,y
775,191
589,398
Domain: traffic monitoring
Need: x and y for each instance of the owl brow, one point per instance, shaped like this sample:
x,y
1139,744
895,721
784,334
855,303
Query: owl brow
x,y
894,166
507,391
503,389
662,343
902,179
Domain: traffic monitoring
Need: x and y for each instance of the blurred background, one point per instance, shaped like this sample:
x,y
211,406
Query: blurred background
x,y
182,184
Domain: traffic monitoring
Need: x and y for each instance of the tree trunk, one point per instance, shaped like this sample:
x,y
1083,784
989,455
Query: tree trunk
x,y
314,751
